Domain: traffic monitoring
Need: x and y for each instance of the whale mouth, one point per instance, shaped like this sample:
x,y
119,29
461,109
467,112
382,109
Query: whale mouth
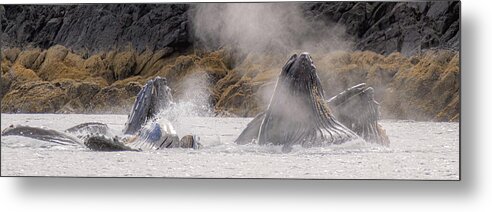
x,y
297,113
299,76
298,65
144,130
153,97
161,96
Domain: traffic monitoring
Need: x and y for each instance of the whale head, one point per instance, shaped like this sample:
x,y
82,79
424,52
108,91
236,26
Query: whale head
x,y
297,113
154,97
299,66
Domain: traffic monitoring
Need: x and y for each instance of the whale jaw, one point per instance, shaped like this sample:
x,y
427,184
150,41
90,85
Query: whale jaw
x,y
297,113
154,96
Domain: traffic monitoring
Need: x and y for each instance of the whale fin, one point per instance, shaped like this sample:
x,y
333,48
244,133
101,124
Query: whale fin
x,y
43,134
356,109
89,127
94,136
97,136
250,134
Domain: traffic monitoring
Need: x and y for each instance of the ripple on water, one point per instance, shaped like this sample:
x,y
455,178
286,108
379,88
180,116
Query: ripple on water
x,y
418,150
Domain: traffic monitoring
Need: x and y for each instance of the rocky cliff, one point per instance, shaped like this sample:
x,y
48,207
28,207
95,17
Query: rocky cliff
x,y
95,27
95,58
382,27
386,27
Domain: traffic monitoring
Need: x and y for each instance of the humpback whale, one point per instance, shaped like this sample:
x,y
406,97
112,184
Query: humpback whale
x,y
144,129
299,113
357,109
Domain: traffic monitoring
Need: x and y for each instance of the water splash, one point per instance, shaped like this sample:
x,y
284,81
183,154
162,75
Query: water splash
x,y
192,99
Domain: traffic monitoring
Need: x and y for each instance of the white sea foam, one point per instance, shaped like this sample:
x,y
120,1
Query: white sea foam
x,y
418,150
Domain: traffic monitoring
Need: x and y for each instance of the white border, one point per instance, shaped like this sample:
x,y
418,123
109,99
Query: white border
x,y
473,193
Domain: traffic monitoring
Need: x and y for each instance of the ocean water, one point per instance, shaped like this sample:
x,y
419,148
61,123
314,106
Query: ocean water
x,y
418,150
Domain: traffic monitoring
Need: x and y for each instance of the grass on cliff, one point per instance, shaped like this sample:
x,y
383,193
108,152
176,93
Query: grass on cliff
x,y
420,87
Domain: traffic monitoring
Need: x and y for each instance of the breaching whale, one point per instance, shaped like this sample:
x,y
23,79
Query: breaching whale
x,y
144,129
299,113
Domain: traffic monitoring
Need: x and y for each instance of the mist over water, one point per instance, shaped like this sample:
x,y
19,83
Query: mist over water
x,y
192,99
266,34
264,28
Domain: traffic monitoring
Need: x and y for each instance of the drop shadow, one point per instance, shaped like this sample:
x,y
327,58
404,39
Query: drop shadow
x,y
304,188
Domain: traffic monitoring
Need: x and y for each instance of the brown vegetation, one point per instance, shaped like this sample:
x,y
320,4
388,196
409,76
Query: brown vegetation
x,y
421,87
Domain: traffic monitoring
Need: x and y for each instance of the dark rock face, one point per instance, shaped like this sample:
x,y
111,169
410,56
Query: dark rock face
x,y
382,27
386,27
93,28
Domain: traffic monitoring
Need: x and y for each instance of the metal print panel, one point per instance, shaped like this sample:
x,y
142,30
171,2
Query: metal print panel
x,y
298,90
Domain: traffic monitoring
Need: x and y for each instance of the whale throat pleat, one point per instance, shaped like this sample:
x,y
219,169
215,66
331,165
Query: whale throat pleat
x,y
297,113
